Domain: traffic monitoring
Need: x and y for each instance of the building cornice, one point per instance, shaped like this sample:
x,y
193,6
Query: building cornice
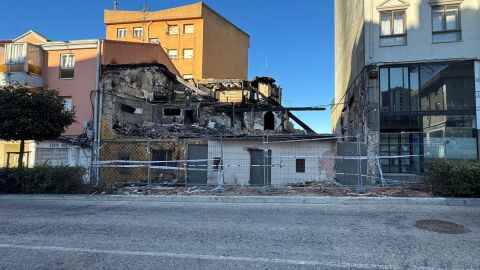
x,y
444,2
399,4
70,45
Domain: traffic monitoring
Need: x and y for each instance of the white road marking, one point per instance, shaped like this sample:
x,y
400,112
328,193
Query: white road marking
x,y
208,257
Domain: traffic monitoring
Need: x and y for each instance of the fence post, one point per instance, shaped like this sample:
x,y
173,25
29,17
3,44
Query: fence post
x,y
265,160
360,187
221,176
185,164
149,158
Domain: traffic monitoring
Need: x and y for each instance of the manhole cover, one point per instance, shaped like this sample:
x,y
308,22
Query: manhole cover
x,y
440,226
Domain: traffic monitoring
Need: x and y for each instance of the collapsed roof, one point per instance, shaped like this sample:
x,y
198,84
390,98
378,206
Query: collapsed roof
x,y
148,101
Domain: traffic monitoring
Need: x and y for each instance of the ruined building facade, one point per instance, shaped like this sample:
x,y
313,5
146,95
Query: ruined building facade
x,y
148,101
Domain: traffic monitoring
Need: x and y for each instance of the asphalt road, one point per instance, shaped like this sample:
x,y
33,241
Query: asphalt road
x,y
83,234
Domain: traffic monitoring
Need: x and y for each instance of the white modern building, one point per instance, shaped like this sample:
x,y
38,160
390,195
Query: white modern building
x,y
406,77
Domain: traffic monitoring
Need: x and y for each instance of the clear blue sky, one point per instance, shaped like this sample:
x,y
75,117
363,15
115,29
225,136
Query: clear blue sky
x,y
296,36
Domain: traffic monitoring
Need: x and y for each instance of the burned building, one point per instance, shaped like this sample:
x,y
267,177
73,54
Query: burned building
x,y
149,114
147,101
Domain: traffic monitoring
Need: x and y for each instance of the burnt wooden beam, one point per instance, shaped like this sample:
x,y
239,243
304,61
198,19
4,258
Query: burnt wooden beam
x,y
300,122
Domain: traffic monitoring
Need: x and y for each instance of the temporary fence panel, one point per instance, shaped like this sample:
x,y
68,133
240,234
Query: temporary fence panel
x,y
251,161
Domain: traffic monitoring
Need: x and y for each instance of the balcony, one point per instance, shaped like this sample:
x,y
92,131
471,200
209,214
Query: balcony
x,y
21,63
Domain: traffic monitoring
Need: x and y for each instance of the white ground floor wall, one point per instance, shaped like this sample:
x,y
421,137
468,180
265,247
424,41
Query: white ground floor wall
x,y
62,153
284,155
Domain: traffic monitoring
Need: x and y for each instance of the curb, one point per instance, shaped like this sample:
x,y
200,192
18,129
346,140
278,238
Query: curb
x,y
256,199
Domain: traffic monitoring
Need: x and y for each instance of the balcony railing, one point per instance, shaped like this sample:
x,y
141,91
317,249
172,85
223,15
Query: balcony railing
x,y
21,57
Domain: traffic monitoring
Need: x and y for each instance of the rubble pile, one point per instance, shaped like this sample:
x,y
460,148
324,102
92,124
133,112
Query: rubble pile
x,y
328,188
170,131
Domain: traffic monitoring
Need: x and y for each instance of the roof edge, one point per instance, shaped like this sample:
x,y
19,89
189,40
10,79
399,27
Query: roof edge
x,y
221,16
31,32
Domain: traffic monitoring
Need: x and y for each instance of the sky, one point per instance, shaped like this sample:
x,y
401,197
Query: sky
x,y
290,40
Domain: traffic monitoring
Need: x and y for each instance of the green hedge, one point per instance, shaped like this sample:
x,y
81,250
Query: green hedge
x,y
43,180
453,178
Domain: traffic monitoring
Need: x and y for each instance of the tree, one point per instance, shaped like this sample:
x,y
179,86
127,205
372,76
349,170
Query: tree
x,y
32,114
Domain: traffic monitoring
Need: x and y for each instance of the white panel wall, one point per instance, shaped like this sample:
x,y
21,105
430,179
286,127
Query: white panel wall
x,y
21,78
76,155
237,160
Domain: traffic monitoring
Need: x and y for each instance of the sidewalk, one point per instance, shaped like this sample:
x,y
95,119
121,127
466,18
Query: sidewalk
x,y
256,199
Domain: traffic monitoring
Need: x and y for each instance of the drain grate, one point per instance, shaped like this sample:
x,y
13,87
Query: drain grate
x,y
440,226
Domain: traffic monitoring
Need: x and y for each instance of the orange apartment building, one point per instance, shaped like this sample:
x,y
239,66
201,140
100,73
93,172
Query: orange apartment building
x,y
73,68
200,42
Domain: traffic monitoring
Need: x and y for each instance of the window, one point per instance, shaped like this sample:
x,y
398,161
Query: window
x,y
172,54
125,157
187,76
446,24
15,54
216,163
172,30
187,53
300,165
67,66
137,32
154,40
162,155
188,29
67,103
399,90
12,159
392,28
398,144
452,85
171,112
121,32
15,57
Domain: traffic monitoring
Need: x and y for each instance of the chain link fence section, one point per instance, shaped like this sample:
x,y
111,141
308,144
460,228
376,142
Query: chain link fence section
x,y
249,161
153,161
255,161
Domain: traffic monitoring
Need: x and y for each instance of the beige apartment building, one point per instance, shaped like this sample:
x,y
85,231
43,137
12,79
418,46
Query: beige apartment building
x,y
201,43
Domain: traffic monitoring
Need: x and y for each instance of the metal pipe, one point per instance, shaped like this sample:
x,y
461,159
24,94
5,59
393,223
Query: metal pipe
x,y
96,135
149,156
360,188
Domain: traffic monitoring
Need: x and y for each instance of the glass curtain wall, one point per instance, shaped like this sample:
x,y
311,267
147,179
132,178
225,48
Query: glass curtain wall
x,y
428,110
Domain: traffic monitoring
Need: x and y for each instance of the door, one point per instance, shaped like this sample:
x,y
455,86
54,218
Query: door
x,y
197,171
260,175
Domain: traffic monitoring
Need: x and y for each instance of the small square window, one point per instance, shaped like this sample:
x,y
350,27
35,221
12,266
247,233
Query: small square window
x,y
188,29
67,103
121,32
172,54
137,32
172,30
300,165
216,163
67,66
187,53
